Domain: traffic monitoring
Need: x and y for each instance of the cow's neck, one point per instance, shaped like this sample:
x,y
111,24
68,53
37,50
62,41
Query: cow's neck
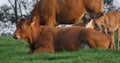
x,y
34,34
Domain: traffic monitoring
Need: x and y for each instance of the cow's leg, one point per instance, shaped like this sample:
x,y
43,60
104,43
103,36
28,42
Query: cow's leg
x,y
81,19
51,19
43,49
111,34
29,52
44,44
106,31
117,39
52,22
91,43
31,49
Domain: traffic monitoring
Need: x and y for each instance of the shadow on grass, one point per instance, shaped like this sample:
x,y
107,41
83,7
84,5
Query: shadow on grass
x,y
49,56
58,57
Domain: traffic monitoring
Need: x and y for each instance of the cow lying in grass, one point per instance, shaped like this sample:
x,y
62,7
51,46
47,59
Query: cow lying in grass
x,y
108,23
51,39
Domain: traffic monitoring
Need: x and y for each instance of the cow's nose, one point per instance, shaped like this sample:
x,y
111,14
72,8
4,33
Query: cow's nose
x,y
15,36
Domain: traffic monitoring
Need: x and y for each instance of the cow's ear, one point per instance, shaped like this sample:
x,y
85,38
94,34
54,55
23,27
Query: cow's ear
x,y
34,21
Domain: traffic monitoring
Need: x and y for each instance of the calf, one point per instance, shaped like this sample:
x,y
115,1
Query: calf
x,y
51,39
108,24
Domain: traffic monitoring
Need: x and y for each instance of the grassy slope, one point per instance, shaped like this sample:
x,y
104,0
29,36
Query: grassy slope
x,y
13,51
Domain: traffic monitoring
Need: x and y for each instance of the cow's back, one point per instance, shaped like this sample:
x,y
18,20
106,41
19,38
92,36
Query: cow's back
x,y
72,38
71,11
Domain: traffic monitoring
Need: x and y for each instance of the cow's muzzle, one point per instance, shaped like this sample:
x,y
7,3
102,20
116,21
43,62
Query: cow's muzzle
x,y
15,36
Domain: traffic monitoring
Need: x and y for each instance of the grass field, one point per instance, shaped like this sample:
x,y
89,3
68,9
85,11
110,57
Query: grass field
x,y
13,51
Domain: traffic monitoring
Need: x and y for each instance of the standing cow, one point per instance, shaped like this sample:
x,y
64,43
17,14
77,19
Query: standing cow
x,y
108,23
51,39
55,12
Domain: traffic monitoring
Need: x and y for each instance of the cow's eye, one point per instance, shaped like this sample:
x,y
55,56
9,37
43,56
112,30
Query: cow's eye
x,y
23,26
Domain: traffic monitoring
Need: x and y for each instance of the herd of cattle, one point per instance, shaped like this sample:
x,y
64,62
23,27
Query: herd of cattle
x,y
92,28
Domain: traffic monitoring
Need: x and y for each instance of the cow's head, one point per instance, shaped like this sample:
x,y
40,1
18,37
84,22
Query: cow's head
x,y
22,29
95,22
92,20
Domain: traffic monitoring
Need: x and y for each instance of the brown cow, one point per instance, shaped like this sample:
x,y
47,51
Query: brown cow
x,y
51,39
108,24
55,12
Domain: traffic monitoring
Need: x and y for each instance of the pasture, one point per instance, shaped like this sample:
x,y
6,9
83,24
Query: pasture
x,y
14,51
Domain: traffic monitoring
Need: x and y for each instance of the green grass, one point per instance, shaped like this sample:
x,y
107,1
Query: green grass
x,y
14,51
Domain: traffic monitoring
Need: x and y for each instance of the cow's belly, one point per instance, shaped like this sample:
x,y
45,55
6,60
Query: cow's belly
x,y
68,17
66,20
